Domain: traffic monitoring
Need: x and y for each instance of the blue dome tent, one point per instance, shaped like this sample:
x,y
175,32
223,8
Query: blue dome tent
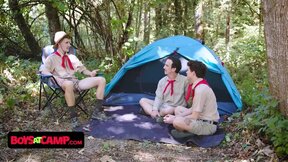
x,y
139,76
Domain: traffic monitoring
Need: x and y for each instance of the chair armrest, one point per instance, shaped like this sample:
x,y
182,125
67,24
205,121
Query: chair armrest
x,y
49,79
46,75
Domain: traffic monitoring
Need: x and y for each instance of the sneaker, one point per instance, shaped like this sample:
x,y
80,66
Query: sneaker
x,y
160,119
179,134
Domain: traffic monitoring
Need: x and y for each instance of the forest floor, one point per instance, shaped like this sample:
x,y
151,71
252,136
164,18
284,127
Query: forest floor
x,y
239,145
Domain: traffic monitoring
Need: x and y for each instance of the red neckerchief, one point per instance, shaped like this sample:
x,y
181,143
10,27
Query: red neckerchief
x,y
64,58
172,86
191,92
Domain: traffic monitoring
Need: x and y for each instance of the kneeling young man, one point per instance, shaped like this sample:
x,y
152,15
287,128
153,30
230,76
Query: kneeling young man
x,y
202,117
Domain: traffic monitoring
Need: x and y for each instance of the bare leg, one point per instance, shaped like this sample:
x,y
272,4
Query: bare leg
x,y
147,105
182,123
166,110
179,110
93,82
68,88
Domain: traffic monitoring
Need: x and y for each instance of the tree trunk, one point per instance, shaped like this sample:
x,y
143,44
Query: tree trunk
x,y
138,18
25,30
178,17
275,30
199,26
186,16
158,21
138,21
147,23
53,20
227,32
260,17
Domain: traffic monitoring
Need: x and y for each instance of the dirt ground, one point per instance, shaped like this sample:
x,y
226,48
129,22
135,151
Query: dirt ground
x,y
239,145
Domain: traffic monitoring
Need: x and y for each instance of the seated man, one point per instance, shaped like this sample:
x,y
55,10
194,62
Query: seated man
x,y
170,91
63,66
202,117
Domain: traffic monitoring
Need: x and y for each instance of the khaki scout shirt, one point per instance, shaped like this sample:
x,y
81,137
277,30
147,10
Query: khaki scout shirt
x,y
177,99
53,64
204,102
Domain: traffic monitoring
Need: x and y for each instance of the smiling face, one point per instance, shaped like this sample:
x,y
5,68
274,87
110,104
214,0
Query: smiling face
x,y
168,67
64,45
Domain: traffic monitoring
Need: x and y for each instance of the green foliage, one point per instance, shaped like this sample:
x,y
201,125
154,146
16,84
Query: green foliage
x,y
246,60
128,47
247,63
268,121
19,84
108,66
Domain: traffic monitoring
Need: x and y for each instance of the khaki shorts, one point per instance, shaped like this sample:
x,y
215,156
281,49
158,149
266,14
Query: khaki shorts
x,y
60,81
199,127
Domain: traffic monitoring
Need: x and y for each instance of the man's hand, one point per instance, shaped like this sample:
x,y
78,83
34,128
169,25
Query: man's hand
x,y
169,119
154,113
93,73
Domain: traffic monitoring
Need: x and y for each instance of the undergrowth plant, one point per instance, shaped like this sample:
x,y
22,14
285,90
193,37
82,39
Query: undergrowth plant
x,y
247,64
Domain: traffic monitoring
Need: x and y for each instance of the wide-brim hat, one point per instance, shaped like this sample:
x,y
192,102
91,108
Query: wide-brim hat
x,y
58,37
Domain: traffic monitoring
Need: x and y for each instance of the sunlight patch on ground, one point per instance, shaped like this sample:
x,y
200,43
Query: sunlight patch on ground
x,y
116,130
126,117
145,125
114,108
144,156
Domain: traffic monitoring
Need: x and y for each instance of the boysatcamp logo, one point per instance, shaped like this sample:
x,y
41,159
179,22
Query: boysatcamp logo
x,y
46,139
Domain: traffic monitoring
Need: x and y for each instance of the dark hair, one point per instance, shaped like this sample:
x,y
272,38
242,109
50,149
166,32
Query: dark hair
x,y
176,63
68,36
199,68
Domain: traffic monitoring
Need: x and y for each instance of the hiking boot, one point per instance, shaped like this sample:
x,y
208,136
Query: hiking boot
x,y
99,116
75,123
98,113
159,119
179,134
98,108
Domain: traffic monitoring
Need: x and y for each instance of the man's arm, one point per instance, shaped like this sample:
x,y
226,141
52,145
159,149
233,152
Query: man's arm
x,y
90,73
195,115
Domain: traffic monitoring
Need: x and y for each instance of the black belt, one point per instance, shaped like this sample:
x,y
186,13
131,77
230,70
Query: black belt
x,y
208,121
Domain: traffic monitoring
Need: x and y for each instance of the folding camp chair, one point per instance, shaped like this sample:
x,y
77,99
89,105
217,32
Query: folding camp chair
x,y
52,91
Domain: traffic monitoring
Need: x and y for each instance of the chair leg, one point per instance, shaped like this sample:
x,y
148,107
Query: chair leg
x,y
40,95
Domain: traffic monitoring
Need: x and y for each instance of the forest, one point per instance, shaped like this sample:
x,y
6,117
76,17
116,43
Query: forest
x,y
250,38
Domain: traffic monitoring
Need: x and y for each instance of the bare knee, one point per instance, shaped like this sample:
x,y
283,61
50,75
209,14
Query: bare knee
x,y
68,86
177,110
177,123
102,81
142,101
164,112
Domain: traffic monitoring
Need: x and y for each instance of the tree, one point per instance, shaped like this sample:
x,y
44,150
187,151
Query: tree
x,y
199,26
275,30
53,20
24,28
